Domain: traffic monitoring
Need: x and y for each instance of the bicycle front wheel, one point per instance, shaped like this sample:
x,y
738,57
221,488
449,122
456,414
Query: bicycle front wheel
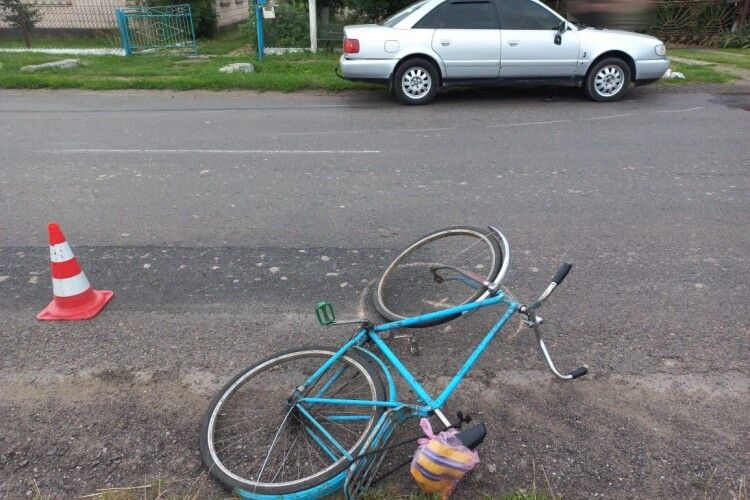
x,y
409,286
252,437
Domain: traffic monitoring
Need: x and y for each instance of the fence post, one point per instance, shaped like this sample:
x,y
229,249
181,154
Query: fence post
x,y
192,29
121,24
259,27
313,25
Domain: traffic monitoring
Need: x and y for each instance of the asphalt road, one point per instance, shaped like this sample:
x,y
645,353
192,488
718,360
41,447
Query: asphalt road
x,y
220,219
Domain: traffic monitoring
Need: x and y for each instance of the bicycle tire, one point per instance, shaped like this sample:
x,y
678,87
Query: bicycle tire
x,y
232,480
492,271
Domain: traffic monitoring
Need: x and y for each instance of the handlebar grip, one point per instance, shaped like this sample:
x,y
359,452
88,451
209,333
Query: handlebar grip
x,y
562,273
578,372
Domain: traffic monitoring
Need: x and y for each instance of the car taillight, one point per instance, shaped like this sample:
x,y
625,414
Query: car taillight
x,y
351,45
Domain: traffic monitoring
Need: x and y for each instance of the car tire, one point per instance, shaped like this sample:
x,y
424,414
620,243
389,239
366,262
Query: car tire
x,y
416,81
608,80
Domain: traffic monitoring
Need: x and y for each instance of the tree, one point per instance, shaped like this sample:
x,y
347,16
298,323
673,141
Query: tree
x,y
743,15
20,16
376,10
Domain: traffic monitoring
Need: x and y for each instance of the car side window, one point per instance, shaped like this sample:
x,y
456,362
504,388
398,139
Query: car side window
x,y
526,15
470,15
431,20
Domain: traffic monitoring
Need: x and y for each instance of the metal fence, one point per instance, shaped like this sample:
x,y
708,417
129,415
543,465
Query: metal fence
x,y
165,27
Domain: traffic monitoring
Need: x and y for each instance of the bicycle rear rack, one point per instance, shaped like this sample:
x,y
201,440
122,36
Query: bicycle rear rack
x,y
367,464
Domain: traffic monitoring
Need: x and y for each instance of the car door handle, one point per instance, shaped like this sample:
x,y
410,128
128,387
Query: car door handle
x,y
513,43
445,43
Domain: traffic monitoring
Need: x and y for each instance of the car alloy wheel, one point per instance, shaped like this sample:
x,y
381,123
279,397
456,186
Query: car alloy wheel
x,y
416,82
609,81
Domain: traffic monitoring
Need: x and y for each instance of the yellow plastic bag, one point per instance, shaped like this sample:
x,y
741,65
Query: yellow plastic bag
x,y
441,461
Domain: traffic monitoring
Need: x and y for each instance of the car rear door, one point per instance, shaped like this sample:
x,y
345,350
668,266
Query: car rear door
x,y
529,49
468,39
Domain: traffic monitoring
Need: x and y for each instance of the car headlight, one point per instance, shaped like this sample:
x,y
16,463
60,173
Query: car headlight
x,y
660,50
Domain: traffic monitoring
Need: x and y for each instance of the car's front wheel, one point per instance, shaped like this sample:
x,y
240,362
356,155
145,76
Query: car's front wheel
x,y
608,80
416,81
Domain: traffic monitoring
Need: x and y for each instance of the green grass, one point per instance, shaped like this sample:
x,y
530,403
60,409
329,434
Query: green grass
x,y
698,74
283,73
731,57
166,71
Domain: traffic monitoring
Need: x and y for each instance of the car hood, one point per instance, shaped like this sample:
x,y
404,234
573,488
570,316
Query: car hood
x,y
607,33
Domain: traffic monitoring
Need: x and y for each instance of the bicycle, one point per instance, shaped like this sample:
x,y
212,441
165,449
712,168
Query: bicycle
x,y
308,422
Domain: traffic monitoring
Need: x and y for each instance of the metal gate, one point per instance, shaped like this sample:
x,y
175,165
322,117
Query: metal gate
x,y
151,28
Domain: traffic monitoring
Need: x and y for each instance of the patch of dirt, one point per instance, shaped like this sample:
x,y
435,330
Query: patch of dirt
x,y
73,435
660,435
245,50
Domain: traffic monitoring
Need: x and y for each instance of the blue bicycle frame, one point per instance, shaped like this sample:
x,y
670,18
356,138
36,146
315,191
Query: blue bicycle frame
x,y
428,404
424,407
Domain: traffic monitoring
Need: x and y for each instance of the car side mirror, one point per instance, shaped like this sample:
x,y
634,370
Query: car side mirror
x,y
560,30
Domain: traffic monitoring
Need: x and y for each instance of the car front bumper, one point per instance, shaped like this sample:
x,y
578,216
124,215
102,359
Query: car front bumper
x,y
369,70
650,69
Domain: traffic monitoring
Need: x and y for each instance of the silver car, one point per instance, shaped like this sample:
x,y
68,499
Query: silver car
x,y
439,43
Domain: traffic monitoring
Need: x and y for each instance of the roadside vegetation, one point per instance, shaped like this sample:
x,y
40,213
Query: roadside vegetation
x,y
698,74
283,73
288,72
731,57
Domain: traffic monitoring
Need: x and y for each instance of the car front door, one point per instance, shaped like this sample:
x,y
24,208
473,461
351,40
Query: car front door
x,y
529,50
468,39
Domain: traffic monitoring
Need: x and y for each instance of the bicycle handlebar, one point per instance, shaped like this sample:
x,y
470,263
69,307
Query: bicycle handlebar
x,y
532,319
560,275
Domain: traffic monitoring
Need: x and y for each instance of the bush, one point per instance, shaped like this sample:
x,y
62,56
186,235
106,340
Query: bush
x,y
739,39
20,16
375,10
290,28
702,22
205,19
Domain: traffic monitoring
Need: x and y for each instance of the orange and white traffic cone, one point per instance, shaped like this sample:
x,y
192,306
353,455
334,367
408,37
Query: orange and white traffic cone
x,y
74,297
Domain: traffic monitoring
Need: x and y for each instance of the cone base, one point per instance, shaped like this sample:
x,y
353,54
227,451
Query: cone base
x,y
86,311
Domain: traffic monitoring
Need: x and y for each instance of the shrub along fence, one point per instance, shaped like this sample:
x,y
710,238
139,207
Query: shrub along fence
x,y
695,22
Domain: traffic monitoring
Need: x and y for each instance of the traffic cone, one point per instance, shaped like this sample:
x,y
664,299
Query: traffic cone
x,y
74,297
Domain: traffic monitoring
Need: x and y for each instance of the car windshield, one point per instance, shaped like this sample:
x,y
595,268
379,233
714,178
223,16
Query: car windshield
x,y
398,16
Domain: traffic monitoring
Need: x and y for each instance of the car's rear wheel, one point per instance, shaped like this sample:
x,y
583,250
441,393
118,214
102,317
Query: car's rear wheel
x,y
416,81
608,80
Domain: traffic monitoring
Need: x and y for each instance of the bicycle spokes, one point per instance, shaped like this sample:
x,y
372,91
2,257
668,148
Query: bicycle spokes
x,y
266,436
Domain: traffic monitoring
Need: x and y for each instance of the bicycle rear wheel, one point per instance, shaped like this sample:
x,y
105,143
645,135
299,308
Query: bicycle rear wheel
x,y
408,286
252,438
